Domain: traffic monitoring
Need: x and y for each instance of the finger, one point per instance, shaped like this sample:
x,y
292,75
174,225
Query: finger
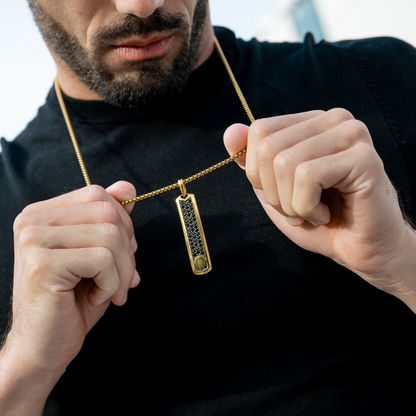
x,y
100,213
83,236
332,141
352,170
93,193
235,140
294,222
80,196
262,129
123,191
95,313
66,267
83,213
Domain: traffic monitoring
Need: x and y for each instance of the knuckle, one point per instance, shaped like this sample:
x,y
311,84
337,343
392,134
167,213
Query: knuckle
x,y
265,150
97,193
104,256
28,236
369,156
35,265
283,162
110,213
357,129
32,207
112,233
25,218
304,174
316,113
19,223
340,114
258,130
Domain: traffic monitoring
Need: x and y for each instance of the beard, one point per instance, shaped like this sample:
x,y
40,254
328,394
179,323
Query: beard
x,y
144,82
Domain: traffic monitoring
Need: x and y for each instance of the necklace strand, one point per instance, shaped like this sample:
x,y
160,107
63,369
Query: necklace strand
x,y
175,185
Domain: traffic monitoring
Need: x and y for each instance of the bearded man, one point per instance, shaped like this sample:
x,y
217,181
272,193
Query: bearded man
x,y
309,307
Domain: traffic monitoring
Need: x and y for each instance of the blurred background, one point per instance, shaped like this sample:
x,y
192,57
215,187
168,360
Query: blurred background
x,y
27,70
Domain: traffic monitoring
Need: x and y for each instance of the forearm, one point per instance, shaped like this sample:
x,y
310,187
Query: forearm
x,y
400,277
23,388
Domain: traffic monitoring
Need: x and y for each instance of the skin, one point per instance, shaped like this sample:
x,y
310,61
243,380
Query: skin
x,y
74,253
320,180
85,20
84,233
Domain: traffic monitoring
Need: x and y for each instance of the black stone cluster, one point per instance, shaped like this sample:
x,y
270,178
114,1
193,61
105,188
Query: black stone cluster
x,y
194,236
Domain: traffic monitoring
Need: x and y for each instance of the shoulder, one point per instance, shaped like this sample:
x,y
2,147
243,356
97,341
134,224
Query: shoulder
x,y
388,67
390,59
383,48
253,52
384,51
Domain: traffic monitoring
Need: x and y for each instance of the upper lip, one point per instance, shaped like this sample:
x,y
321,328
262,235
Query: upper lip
x,y
140,42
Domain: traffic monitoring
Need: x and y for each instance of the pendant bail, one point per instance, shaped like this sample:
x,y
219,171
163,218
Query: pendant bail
x,y
182,187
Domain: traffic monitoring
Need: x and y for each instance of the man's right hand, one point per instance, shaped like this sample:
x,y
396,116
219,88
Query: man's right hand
x,y
74,254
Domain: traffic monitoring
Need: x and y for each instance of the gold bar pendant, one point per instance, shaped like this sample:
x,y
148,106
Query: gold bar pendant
x,y
193,232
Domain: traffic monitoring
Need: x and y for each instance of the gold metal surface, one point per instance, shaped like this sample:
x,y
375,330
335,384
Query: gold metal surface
x,y
200,261
193,232
182,187
71,132
186,181
233,80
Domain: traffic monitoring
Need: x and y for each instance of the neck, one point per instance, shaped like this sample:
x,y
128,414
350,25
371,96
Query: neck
x,y
73,87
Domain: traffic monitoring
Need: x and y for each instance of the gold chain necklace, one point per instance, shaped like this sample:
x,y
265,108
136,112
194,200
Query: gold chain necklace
x,y
186,203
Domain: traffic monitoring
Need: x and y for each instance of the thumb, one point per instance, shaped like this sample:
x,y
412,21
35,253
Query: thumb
x,y
235,140
123,191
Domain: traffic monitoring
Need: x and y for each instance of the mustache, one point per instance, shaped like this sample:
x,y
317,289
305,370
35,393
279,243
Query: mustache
x,y
132,25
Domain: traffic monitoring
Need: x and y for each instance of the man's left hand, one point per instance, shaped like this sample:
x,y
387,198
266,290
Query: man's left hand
x,y
321,181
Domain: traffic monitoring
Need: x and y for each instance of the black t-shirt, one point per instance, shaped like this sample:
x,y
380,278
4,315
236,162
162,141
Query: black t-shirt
x,y
273,329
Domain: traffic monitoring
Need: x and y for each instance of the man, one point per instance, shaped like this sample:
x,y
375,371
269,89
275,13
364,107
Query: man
x,y
286,323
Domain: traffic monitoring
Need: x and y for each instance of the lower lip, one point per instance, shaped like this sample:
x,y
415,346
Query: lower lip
x,y
141,53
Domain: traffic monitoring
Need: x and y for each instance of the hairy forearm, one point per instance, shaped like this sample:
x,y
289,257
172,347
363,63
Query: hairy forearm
x,y
407,270
400,278
23,388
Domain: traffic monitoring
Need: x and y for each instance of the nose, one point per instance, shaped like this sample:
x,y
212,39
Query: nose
x,y
140,8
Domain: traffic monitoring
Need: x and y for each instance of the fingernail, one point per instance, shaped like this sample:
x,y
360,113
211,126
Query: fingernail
x,y
125,298
294,222
317,223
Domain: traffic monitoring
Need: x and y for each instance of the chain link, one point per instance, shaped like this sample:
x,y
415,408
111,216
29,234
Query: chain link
x,y
186,181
